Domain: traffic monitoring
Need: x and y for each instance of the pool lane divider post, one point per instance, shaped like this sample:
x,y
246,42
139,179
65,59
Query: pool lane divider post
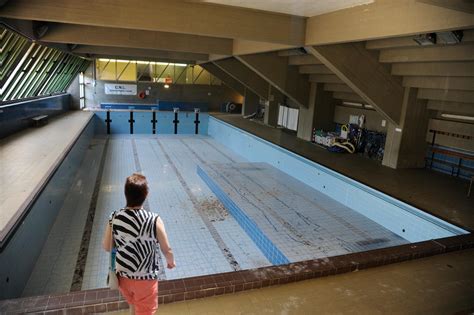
x,y
196,121
108,121
131,121
176,120
153,120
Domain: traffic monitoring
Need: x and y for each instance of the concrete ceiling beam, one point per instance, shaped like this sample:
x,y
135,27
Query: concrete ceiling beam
x,y
407,41
451,107
244,75
383,19
444,95
275,70
428,54
166,16
360,69
132,53
459,5
441,83
116,37
451,69
224,77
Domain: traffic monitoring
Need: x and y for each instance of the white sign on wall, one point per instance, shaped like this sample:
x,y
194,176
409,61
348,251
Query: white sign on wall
x,y
120,89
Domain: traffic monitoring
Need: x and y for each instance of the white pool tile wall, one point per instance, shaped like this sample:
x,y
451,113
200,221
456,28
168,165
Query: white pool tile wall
x,y
404,220
54,270
119,163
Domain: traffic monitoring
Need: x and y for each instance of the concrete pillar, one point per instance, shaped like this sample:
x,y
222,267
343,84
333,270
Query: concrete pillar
x,y
319,114
251,103
275,98
405,146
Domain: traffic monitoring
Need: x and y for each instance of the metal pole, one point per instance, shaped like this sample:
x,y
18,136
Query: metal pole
x,y
459,166
153,122
131,121
470,186
108,121
196,121
121,73
432,145
162,71
176,121
202,69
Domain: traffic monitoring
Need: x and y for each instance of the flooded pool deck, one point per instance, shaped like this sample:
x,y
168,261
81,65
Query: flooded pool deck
x,y
435,285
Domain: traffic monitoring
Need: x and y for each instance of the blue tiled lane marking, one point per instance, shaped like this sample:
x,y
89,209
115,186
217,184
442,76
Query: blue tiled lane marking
x,y
273,254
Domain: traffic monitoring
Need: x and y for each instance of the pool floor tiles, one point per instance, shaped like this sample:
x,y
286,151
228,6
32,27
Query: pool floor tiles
x,y
204,237
301,222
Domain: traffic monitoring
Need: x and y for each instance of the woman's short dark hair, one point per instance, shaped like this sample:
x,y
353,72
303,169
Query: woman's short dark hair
x,y
136,190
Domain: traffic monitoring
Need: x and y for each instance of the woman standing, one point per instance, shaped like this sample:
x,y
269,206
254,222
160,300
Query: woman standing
x,y
137,235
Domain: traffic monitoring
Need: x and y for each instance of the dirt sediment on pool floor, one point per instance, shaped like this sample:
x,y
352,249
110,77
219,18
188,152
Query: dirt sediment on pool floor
x,y
214,209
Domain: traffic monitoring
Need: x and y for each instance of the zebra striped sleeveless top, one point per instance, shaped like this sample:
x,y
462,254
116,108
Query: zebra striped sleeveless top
x,y
137,247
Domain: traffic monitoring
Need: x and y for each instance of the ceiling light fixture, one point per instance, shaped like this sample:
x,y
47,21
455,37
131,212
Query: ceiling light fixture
x,y
452,37
425,39
460,117
352,104
145,62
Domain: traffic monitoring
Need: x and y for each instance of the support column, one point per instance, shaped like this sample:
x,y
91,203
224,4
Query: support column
x,y
275,98
251,103
405,146
319,114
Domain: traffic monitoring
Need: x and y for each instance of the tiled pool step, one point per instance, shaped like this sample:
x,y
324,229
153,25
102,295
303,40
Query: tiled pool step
x,y
206,240
102,300
274,255
285,216
397,216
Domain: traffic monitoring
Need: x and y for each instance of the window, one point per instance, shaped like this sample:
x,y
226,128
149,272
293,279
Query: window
x,y
28,69
151,71
82,91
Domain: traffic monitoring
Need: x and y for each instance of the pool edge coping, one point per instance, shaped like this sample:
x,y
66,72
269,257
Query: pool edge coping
x,y
106,300
24,209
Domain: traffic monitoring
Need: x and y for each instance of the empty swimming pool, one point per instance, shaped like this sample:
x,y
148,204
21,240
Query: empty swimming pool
x,y
230,201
